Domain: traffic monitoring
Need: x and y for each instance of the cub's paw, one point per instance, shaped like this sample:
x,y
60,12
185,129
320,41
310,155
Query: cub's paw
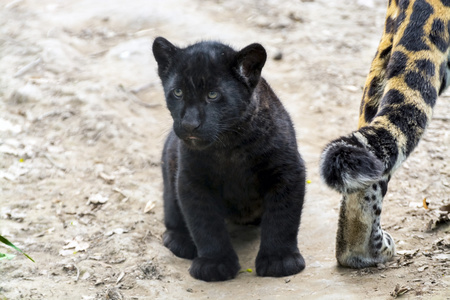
x,y
180,244
215,269
279,266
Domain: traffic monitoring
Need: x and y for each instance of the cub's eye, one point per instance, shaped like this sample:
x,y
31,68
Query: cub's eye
x,y
213,95
178,93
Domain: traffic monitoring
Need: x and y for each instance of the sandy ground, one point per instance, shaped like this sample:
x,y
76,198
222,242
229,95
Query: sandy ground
x,y
82,124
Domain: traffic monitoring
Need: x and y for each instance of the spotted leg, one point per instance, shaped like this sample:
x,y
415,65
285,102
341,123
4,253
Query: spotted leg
x,y
360,240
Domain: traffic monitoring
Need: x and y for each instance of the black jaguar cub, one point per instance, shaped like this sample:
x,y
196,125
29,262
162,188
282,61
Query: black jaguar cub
x,y
232,155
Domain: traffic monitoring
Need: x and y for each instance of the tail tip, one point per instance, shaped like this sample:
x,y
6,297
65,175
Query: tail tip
x,y
346,167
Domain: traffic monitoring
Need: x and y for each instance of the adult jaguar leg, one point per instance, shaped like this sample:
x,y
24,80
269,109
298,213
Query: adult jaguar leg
x,y
360,240
409,71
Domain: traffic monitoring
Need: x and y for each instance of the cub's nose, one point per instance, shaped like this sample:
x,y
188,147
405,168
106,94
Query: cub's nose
x,y
190,125
191,119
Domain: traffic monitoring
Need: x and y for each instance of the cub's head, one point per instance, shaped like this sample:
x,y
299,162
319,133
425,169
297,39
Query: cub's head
x,y
208,87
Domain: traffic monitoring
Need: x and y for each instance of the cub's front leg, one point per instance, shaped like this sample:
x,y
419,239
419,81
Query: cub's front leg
x,y
216,261
278,254
177,237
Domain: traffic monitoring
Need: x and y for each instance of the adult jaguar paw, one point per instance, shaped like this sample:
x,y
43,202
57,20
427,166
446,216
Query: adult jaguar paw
x,y
279,266
379,250
214,269
180,244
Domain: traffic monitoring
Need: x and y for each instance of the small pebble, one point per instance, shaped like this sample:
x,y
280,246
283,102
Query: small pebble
x,y
278,55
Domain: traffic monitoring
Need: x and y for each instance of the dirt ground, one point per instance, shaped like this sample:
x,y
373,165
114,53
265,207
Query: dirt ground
x,y
82,124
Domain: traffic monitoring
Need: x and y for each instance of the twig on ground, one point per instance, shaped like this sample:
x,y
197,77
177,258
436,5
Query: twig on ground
x,y
52,114
125,199
13,3
121,276
55,164
98,53
142,88
28,67
148,233
78,273
135,99
442,118
140,102
47,114
109,179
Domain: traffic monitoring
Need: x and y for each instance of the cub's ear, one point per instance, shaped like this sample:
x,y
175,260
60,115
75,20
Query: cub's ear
x,y
250,61
163,50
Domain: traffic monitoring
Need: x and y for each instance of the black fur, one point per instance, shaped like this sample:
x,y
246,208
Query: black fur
x,y
385,52
403,5
409,119
437,35
393,97
382,144
422,84
343,163
374,87
412,38
232,155
396,65
390,25
370,112
426,66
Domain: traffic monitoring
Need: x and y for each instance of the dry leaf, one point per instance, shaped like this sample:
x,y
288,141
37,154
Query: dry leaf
x,y
351,88
421,269
96,199
65,252
14,172
442,256
149,206
398,291
116,231
77,244
425,203
120,277
109,179
408,253
7,149
125,199
6,125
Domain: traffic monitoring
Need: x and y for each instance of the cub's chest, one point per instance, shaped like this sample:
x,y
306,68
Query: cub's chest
x,y
241,193
229,177
229,172
231,168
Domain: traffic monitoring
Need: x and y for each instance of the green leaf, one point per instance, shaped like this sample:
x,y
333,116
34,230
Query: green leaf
x,y
6,256
6,242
